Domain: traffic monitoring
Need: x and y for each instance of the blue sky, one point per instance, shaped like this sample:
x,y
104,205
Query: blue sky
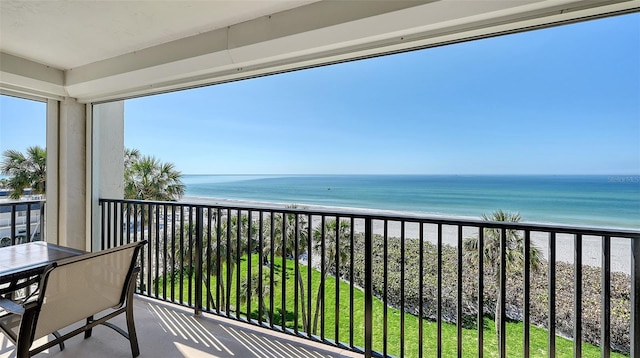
x,y
563,100
22,123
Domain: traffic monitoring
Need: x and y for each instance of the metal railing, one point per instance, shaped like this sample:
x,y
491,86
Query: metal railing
x,y
21,221
388,285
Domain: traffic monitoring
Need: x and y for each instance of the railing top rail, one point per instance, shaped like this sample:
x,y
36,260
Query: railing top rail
x,y
9,202
411,218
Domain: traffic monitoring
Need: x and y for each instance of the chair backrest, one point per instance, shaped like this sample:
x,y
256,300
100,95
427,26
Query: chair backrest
x,y
81,286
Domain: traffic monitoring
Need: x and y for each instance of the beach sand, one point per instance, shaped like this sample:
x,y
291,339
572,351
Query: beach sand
x,y
591,245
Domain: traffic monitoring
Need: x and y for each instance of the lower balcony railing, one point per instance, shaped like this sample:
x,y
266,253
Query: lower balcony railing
x,y
21,221
392,285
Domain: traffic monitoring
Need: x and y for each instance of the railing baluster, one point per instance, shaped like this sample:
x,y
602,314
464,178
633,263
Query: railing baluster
x,y
635,296
238,259
135,223
164,253
208,262
190,248
402,255
149,250
113,208
104,228
503,293
459,294
309,272
229,264
420,291
28,223
260,264
143,259
605,325
107,242
480,292
323,272
271,271
439,292
283,301
198,255
351,283
368,288
42,221
296,267
526,294
122,223
249,254
551,333
577,297
13,225
129,210
385,301
336,320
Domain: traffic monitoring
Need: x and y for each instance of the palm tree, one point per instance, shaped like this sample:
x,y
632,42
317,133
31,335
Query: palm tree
x,y
491,253
284,243
334,233
231,240
25,171
212,242
146,178
130,157
255,290
185,256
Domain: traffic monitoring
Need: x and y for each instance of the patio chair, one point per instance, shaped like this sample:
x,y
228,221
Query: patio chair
x,y
75,290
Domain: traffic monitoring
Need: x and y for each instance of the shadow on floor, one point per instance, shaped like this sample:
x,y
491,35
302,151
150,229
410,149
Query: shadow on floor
x,y
170,331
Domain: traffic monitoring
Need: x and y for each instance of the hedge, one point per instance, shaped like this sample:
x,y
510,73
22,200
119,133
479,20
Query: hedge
x,y
591,288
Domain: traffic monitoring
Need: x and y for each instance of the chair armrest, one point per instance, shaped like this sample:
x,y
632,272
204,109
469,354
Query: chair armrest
x,y
11,306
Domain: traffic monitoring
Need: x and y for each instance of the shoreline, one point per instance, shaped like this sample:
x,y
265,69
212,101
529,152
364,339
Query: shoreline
x,y
591,245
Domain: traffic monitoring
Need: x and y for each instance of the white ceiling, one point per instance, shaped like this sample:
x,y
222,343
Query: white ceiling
x,y
98,50
69,34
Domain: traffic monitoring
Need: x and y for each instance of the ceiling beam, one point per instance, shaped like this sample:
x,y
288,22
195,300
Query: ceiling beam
x,y
19,76
315,34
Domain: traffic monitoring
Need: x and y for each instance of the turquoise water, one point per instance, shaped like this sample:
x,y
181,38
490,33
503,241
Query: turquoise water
x,y
603,201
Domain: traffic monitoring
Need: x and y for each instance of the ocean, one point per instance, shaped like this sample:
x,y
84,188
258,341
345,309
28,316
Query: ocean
x,y
608,201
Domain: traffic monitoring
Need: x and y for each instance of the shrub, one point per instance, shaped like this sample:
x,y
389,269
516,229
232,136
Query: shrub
x,y
539,313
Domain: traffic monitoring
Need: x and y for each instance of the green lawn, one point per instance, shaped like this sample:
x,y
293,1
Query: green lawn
x,y
538,336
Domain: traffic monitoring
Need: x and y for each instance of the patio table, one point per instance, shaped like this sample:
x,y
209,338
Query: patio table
x,y
21,265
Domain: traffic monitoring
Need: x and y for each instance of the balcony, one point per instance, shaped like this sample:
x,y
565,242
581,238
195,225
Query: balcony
x,y
213,42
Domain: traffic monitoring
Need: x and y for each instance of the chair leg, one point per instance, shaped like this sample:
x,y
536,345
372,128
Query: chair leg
x,y
87,333
131,327
57,335
25,336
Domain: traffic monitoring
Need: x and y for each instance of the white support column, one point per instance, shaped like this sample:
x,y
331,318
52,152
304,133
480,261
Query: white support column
x,y
69,191
53,140
107,160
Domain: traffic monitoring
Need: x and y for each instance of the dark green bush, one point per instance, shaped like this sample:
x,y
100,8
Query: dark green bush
x,y
539,310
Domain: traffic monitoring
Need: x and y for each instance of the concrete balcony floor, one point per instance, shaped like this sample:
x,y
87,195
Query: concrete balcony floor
x,y
166,330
